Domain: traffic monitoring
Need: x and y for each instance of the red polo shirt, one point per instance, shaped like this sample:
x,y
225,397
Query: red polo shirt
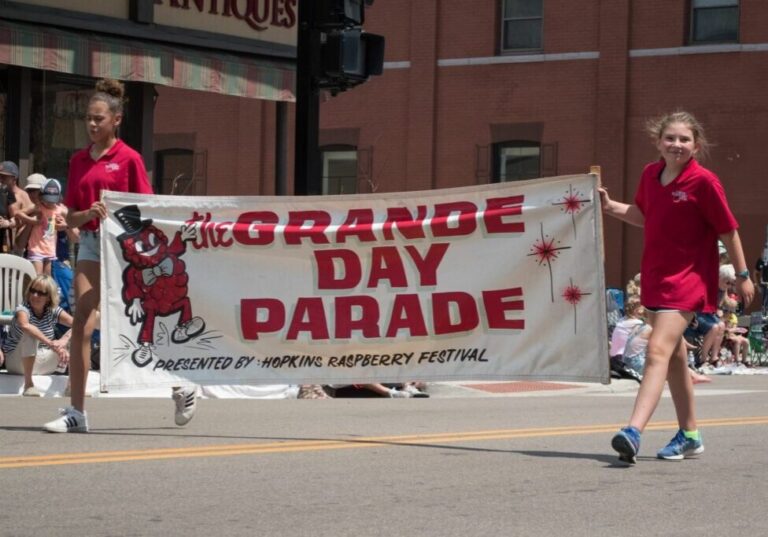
x,y
121,169
682,223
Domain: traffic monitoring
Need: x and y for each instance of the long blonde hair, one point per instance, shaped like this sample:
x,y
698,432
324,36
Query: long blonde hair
x,y
656,126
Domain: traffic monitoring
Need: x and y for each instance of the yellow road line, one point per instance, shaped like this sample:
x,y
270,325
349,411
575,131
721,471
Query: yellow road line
x,y
322,445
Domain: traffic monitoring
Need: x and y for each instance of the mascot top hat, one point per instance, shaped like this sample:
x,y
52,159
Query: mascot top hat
x,y
130,218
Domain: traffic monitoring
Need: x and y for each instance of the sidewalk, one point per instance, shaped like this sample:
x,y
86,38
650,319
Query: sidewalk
x,y
55,385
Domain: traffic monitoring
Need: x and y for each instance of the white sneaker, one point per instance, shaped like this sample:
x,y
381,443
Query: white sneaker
x,y
32,391
398,394
414,391
186,405
70,421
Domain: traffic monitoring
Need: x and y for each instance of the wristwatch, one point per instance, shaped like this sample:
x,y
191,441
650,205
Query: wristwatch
x,y
744,274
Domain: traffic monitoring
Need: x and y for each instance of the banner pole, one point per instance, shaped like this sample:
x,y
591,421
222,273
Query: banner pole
x,y
595,170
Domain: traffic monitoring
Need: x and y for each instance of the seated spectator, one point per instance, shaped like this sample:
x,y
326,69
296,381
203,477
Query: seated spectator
x,y
727,289
30,347
396,391
635,350
633,317
708,330
734,336
312,391
633,286
761,277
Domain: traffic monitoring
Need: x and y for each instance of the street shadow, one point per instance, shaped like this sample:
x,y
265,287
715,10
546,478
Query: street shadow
x,y
610,460
28,429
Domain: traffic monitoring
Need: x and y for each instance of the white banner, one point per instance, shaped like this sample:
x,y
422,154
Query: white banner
x,y
493,282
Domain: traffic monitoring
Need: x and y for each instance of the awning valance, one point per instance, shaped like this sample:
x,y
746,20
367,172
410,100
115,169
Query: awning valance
x,y
110,57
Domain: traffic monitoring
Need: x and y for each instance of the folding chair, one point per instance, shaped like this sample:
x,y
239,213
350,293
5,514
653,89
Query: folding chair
x,y
614,301
14,271
757,339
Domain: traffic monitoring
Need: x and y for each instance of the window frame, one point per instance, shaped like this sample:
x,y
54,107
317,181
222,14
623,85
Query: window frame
x,y
502,22
692,24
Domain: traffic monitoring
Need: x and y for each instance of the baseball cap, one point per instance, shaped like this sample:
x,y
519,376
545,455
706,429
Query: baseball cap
x,y
9,168
35,181
51,191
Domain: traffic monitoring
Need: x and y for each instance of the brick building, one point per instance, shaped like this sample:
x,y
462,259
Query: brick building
x,y
482,91
472,92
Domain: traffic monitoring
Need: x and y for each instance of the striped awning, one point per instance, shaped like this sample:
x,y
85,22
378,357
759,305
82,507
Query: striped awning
x,y
123,59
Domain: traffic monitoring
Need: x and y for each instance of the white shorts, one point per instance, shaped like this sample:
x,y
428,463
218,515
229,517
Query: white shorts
x,y
89,246
34,256
46,359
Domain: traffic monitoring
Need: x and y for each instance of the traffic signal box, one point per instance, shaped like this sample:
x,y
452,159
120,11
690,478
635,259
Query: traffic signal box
x,y
348,54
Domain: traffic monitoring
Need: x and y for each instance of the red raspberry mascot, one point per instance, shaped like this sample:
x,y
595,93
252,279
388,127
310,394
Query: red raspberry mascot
x,y
155,282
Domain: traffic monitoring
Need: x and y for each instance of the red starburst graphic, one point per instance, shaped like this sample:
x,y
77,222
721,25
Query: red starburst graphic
x,y
573,295
572,203
545,252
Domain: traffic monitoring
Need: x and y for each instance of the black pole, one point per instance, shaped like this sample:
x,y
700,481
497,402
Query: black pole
x,y
281,147
307,155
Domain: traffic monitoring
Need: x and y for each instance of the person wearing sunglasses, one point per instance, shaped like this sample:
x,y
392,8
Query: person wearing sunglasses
x,y
30,347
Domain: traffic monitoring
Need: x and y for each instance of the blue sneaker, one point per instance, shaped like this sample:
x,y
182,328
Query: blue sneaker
x,y
681,447
627,443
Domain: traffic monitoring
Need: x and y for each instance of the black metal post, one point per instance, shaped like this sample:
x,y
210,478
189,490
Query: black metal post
x,y
307,171
281,147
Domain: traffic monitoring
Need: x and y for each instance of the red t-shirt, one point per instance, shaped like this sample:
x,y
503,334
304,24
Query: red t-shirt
x,y
682,223
121,169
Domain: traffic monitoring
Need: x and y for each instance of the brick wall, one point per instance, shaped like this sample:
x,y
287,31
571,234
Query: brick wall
x,y
424,123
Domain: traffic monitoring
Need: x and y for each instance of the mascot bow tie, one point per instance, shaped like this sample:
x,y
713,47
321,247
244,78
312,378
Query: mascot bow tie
x,y
164,268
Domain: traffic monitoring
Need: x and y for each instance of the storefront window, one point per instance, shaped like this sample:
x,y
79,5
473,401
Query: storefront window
x,y
57,129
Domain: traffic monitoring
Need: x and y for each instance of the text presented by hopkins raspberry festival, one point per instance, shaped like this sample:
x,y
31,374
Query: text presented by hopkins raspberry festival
x,y
495,282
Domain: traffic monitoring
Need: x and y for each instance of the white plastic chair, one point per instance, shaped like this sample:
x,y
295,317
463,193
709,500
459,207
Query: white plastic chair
x,y
13,270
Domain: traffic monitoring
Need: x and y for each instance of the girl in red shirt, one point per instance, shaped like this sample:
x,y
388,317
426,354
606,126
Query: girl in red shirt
x,y
106,164
682,208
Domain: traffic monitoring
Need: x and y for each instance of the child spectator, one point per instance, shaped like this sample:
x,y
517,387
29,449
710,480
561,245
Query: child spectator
x,y
633,286
48,217
633,318
636,348
734,338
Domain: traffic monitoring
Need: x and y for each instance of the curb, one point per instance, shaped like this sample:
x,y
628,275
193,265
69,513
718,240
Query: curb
x,y
459,389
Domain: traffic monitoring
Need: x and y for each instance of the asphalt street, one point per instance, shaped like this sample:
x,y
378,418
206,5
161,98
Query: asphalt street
x,y
461,463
